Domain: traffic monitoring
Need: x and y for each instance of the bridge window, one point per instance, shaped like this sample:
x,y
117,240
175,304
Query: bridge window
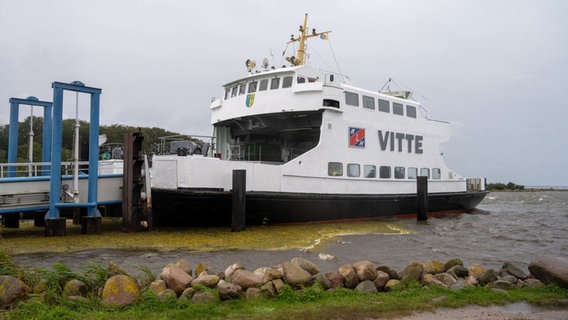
x,y
384,106
274,83
227,92
234,91
335,169
370,171
411,111
252,87
412,173
331,103
263,85
397,109
369,102
399,172
242,89
436,173
353,170
351,98
384,172
287,82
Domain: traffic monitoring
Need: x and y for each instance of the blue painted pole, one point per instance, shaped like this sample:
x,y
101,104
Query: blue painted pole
x,y
56,133
13,138
46,143
94,155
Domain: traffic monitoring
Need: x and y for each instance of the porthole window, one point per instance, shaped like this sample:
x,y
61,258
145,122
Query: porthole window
x,y
412,173
425,172
370,171
335,169
384,172
353,170
399,173
436,173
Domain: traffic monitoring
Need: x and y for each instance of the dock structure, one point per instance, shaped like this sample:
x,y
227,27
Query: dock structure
x,y
44,189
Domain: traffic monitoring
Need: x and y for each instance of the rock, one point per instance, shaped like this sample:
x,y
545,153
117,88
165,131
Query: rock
x,y
175,278
412,271
279,285
201,268
365,270
246,279
510,278
366,286
335,280
391,284
489,276
268,274
476,270
296,276
428,279
452,262
446,279
306,265
322,280
253,293
204,297
114,269
471,281
460,284
268,289
349,276
120,290
167,294
325,256
207,280
231,269
75,288
458,271
550,269
188,293
501,284
12,290
434,267
509,268
533,283
388,270
501,291
381,280
228,291
185,266
158,286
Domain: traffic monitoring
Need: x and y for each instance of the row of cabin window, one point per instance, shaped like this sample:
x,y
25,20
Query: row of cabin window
x,y
262,85
335,169
352,99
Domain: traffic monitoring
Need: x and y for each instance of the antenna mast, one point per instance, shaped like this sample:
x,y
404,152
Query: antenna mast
x,y
301,54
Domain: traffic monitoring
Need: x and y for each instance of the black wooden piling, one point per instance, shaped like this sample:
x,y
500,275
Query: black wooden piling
x,y
11,220
239,200
422,198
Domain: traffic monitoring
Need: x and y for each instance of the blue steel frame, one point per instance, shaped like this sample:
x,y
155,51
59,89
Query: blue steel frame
x,y
55,183
13,133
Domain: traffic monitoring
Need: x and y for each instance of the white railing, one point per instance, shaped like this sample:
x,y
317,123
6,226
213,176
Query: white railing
x,y
35,169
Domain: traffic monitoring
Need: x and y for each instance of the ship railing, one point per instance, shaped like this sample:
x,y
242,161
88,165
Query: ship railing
x,y
163,146
475,184
36,169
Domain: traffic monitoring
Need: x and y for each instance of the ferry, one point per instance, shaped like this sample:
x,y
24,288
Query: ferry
x,y
314,148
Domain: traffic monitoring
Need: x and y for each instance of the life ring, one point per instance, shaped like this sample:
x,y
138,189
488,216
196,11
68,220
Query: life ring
x,y
105,156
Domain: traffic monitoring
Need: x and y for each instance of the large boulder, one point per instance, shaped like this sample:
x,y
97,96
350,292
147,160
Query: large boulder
x,y
120,290
509,268
12,290
204,297
114,269
246,279
268,274
176,278
381,280
366,286
429,279
75,288
413,271
476,270
322,280
388,270
229,290
452,263
487,277
365,270
458,271
349,276
158,286
296,276
231,269
434,267
335,280
207,280
550,269
306,265
185,266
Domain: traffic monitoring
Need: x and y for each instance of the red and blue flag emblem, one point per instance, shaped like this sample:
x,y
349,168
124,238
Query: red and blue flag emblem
x,y
357,137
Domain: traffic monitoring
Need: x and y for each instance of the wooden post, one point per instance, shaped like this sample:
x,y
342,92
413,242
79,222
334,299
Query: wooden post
x,y
422,198
239,200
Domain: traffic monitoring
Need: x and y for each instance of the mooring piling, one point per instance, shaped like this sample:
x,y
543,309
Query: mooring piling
x,y
238,210
422,198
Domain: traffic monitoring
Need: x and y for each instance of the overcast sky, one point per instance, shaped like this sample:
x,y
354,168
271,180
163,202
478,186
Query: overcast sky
x,y
497,70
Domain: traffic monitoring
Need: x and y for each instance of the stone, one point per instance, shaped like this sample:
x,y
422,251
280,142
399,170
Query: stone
x,y
268,289
434,267
412,271
306,265
12,290
391,284
75,287
188,293
501,284
446,279
322,280
228,291
167,294
510,278
489,276
452,262
268,274
114,269
335,280
458,271
550,269
533,283
175,278
476,270
381,280
231,269
204,297
349,276
279,285
511,269
253,293
471,281
365,270
246,279
185,266
388,270
158,286
201,268
207,280
296,276
460,284
428,279
501,291
120,290
366,286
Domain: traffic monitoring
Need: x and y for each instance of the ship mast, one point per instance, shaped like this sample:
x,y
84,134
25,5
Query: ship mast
x,y
299,59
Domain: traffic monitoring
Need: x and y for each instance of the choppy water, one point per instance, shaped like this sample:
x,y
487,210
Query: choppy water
x,y
512,227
